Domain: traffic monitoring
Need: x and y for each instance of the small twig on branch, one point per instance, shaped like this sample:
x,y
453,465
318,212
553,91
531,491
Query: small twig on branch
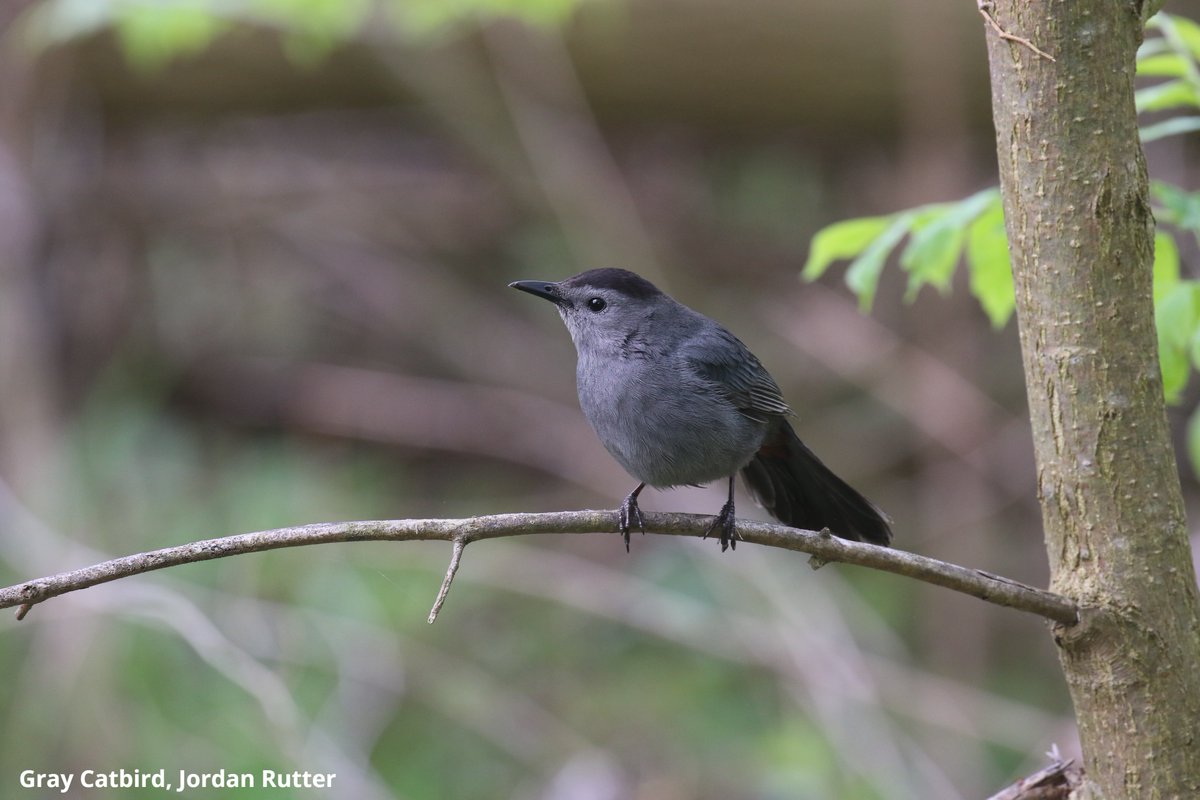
x,y
451,571
461,532
985,8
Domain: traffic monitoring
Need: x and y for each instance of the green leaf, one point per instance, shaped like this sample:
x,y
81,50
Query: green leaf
x,y
932,254
1170,127
1174,363
863,275
841,240
1182,30
1175,314
990,265
1175,317
1166,265
926,215
1162,65
1171,94
1193,441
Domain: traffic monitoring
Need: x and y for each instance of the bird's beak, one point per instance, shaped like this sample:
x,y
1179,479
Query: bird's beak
x,y
542,289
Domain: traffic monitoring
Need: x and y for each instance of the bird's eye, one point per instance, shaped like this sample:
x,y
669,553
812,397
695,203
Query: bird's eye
x,y
597,304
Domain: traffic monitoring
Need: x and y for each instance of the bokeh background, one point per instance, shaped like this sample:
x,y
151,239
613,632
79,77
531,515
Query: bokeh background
x,y
253,258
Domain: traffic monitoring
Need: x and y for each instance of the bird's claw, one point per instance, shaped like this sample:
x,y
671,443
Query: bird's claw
x,y
628,516
725,523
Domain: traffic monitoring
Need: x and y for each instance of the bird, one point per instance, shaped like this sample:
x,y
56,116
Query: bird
x,y
678,400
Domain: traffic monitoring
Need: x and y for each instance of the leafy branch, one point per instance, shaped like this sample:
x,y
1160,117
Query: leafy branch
x,y
822,546
941,235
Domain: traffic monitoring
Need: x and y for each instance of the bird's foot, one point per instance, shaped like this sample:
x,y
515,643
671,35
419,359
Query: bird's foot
x,y
725,523
628,516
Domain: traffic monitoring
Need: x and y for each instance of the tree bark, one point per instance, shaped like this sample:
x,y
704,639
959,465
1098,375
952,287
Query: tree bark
x,y
1077,210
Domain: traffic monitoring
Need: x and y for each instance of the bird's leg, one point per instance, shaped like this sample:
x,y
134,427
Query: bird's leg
x,y
724,520
630,514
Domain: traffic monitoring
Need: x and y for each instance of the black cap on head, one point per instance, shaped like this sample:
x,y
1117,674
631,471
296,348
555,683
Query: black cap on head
x,y
620,280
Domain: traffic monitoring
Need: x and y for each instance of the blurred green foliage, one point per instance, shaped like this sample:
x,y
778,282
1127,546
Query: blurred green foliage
x,y
154,32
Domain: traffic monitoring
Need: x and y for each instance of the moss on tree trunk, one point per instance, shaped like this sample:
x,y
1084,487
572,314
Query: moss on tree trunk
x,y
1081,233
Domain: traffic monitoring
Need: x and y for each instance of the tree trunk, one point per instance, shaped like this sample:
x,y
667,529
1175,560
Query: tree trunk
x,y
1081,234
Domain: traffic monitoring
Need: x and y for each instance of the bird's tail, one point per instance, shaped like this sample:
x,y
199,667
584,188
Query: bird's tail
x,y
798,490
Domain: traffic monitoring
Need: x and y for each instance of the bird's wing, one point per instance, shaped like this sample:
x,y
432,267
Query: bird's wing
x,y
721,358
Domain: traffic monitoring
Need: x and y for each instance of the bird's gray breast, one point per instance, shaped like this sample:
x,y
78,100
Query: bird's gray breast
x,y
664,421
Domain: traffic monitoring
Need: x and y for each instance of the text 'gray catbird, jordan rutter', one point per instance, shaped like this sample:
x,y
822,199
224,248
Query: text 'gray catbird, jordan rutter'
x,y
679,400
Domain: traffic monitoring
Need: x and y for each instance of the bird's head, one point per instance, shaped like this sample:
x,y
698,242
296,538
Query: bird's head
x,y
601,307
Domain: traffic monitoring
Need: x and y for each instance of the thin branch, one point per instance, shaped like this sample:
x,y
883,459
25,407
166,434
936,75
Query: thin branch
x,y
985,8
461,532
451,571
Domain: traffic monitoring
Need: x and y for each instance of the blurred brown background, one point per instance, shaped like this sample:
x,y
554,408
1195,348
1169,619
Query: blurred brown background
x,y
253,260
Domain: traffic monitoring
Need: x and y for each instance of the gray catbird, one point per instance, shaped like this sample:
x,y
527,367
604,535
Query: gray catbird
x,y
678,400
